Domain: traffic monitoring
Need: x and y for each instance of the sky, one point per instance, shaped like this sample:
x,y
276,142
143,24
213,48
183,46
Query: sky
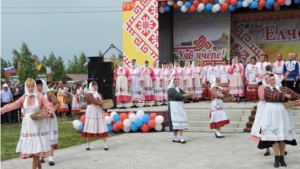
x,y
64,34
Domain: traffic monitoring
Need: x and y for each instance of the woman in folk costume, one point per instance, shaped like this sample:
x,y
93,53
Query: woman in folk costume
x,y
165,76
197,73
203,69
122,80
176,114
218,115
173,72
224,75
188,79
236,85
149,79
212,71
34,141
42,88
76,106
137,79
250,77
158,94
179,74
82,96
277,124
94,124
61,96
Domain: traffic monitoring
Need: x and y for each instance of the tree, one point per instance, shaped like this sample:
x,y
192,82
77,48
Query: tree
x,y
4,64
82,59
26,67
16,58
59,72
100,53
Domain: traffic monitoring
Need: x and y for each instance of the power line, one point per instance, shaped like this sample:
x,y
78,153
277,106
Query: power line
x,y
65,7
5,13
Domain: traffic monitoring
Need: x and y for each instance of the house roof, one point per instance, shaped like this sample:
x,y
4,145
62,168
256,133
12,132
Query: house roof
x,y
78,76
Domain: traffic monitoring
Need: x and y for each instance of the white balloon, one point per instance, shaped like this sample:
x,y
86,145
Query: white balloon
x,y
112,114
158,127
159,119
184,8
140,114
132,117
126,129
216,8
179,3
200,7
76,124
249,1
170,2
288,2
107,119
161,9
127,123
245,3
222,1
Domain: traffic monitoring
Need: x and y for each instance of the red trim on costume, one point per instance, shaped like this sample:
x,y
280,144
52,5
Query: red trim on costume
x,y
89,135
41,154
54,146
215,125
254,138
63,110
75,111
149,98
123,99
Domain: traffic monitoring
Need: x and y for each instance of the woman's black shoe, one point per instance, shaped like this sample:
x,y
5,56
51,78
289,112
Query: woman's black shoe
x,y
281,161
132,106
276,164
87,149
267,154
51,163
148,105
219,136
183,142
285,153
106,149
176,141
42,160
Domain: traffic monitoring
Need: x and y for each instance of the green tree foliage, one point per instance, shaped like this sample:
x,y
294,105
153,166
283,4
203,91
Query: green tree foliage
x,y
82,60
15,58
26,67
59,72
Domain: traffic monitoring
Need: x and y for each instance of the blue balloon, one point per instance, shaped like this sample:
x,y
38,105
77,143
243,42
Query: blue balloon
x,y
110,128
187,4
80,127
270,2
269,6
216,1
133,127
167,8
116,118
296,1
239,4
254,4
231,7
138,122
191,1
208,6
146,118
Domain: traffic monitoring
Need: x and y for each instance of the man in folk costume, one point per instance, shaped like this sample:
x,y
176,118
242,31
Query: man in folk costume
x,y
291,72
149,79
260,69
166,74
157,84
122,80
298,81
278,67
277,124
62,93
179,74
137,80
42,88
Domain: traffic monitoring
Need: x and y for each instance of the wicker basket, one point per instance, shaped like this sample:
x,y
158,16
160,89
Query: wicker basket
x,y
227,98
107,104
289,104
35,115
187,96
68,100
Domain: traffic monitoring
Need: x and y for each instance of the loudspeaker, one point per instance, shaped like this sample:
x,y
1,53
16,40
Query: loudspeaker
x,y
93,68
106,73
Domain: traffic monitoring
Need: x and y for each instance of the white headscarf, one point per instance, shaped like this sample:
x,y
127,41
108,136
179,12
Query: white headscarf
x,y
188,66
264,82
157,64
175,65
193,64
214,84
121,67
277,84
35,92
171,85
45,87
94,92
171,67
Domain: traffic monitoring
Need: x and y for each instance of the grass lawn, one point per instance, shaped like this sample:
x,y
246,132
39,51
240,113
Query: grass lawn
x,y
67,137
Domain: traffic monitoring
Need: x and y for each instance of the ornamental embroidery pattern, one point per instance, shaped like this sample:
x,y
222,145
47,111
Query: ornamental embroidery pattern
x,y
263,131
275,131
35,134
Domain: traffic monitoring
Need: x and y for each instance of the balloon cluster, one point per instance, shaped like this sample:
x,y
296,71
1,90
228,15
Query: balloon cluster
x,y
132,122
78,125
221,5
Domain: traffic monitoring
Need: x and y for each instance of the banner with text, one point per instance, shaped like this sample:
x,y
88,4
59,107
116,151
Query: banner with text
x,y
268,33
202,36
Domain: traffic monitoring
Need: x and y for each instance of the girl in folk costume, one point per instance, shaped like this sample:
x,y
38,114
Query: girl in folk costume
x,y
158,94
212,71
34,141
76,107
250,77
188,78
179,74
203,69
277,124
137,79
176,114
224,75
94,124
197,81
218,115
165,76
149,79
236,85
82,96
61,96
42,88
122,80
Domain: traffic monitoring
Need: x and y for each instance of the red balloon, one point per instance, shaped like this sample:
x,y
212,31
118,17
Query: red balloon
x,y
175,6
106,114
184,1
211,1
276,4
224,7
281,2
163,3
82,119
115,128
205,2
123,116
193,8
153,116
151,123
145,128
228,1
259,8
262,3
119,125
189,10
233,2
196,3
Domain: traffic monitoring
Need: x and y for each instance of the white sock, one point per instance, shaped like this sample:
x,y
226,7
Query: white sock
x,y
88,145
181,138
175,138
218,133
105,145
51,158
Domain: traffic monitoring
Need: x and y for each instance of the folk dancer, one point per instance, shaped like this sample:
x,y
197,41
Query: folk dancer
x,y
278,67
165,76
224,75
203,69
188,79
158,93
236,85
137,79
76,106
250,78
62,93
149,79
197,73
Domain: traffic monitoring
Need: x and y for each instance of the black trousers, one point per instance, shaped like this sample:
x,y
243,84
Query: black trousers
x,y
297,86
6,117
290,85
15,115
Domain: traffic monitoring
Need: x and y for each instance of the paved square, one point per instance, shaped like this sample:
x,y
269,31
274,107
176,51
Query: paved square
x,y
155,150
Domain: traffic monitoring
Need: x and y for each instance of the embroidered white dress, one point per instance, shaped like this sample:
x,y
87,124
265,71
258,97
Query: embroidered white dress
x,y
76,106
136,88
53,128
158,94
197,82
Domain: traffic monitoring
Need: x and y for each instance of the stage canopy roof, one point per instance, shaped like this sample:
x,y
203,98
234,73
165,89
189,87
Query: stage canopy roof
x,y
80,77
